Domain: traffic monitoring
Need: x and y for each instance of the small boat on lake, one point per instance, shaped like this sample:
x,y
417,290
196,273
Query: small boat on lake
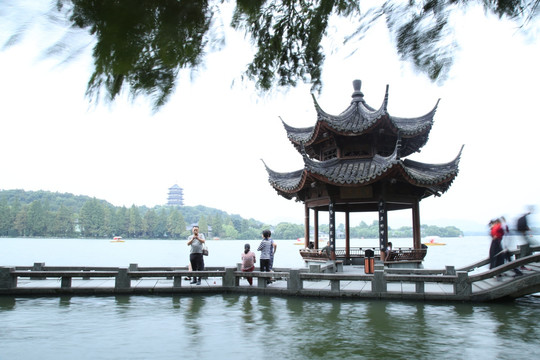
x,y
302,241
117,239
433,241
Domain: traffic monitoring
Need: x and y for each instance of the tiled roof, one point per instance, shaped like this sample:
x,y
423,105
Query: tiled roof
x,y
437,177
360,118
351,171
356,119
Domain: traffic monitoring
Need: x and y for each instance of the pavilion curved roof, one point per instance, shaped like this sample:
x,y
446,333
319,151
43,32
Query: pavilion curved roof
x,y
360,118
358,172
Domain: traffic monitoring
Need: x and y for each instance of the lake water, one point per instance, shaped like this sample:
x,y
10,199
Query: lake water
x,y
246,327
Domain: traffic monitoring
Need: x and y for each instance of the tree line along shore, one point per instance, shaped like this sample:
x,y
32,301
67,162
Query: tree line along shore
x,y
50,214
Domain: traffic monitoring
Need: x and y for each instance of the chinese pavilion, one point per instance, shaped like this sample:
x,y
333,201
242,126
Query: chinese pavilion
x,y
176,196
355,162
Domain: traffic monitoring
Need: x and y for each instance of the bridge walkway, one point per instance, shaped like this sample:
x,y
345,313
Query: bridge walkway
x,y
471,283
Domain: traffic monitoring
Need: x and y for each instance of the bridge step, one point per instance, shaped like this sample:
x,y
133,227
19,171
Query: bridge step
x,y
481,285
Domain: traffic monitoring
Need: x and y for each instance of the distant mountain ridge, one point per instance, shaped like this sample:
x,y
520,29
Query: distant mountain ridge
x,y
74,202
53,199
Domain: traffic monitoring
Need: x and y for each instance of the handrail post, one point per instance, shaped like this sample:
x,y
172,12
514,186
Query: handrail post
x,y
450,270
7,280
86,277
134,267
122,280
38,267
229,280
334,285
462,285
262,282
65,282
378,284
295,282
177,281
524,250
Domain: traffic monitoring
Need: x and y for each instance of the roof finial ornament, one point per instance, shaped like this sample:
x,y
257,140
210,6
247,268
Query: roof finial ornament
x,y
357,94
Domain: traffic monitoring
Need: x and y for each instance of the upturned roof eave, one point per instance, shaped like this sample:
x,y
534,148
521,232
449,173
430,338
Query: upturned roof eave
x,y
371,118
289,182
439,177
358,109
416,126
434,177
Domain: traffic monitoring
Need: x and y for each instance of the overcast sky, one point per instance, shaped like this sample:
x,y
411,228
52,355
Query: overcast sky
x,y
210,138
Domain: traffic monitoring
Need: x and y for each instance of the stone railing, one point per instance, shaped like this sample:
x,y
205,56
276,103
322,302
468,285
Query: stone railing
x,y
311,281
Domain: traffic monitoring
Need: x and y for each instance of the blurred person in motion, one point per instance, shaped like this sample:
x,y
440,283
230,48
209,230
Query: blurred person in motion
x,y
523,227
525,231
505,246
496,255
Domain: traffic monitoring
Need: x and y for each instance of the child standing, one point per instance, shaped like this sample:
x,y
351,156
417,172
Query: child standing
x,y
266,250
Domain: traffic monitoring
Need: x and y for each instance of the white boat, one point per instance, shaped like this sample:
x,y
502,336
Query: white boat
x,y
302,241
433,241
117,239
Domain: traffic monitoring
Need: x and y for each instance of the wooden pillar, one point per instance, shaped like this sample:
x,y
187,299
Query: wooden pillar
x,y
316,228
347,238
306,226
417,236
332,227
383,225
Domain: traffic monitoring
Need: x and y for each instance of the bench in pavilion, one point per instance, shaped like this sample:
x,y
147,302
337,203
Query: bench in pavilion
x,y
399,257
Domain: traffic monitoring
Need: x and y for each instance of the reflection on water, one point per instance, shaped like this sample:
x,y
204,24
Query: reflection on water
x,y
64,301
192,318
7,303
241,327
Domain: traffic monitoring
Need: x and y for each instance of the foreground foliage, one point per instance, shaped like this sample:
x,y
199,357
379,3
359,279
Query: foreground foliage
x,y
140,46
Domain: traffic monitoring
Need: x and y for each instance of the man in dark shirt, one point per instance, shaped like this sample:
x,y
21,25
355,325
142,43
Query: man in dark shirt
x,y
327,249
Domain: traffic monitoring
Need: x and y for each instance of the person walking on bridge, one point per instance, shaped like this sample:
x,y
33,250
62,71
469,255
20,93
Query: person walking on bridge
x,y
496,255
505,246
524,229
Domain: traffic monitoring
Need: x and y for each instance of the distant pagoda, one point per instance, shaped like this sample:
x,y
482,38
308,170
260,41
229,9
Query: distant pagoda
x,y
354,162
176,196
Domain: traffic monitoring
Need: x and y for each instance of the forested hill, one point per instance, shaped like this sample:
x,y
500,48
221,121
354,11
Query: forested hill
x,y
50,214
53,199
